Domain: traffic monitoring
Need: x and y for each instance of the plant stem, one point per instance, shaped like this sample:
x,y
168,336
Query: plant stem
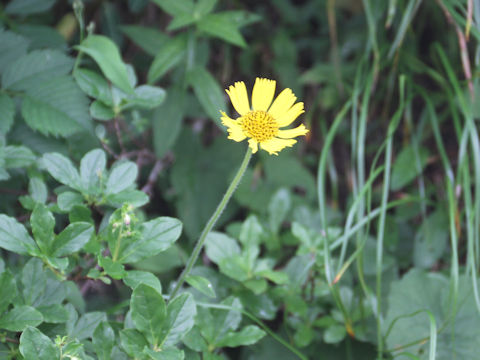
x,y
208,227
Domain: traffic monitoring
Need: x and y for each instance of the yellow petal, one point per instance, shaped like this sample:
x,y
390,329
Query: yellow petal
x,y
273,146
291,133
282,104
262,94
234,128
253,145
288,117
239,97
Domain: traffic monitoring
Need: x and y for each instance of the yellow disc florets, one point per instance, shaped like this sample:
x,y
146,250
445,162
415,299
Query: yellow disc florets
x,y
259,125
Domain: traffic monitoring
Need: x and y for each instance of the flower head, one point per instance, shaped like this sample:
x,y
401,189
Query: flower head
x,y
262,121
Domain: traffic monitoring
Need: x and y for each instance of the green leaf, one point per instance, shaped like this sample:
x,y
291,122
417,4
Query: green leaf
x,y
72,239
251,232
87,324
62,170
106,55
181,312
20,317
38,190
237,267
103,340
146,97
43,223
37,67
174,7
208,92
334,334
136,198
204,7
132,341
92,169
34,281
278,208
100,111
114,269
42,36
18,156
157,235
7,112
68,199
149,39
405,167
225,320
220,246
133,278
54,313
167,121
122,176
201,284
431,239
14,237
56,107
93,85
170,54
170,353
27,7
148,312
8,290
35,345
249,335
12,47
221,26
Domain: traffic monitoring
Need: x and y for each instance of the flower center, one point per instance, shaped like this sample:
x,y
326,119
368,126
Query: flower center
x,y
259,125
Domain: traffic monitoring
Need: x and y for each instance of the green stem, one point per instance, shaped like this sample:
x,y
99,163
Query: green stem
x,y
221,206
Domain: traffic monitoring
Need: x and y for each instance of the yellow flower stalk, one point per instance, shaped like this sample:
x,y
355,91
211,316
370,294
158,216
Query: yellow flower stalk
x,y
262,123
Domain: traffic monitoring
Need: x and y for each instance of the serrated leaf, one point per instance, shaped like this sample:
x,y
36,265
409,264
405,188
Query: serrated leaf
x,y
35,345
208,92
62,170
20,317
106,54
201,284
122,176
18,156
7,111
249,335
27,7
12,47
149,39
157,235
148,312
133,278
181,313
170,54
92,169
14,237
56,107
103,340
221,26
36,67
72,239
43,223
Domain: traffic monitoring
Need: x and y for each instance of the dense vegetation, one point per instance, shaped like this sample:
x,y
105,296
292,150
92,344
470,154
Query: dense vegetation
x,y
362,241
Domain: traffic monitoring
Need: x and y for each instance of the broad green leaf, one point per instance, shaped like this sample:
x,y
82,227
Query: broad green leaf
x,y
431,239
20,317
54,313
169,353
201,284
277,277
62,170
170,54
100,111
18,156
93,85
87,324
149,39
7,112
167,121
148,312
208,92
133,278
174,7
14,237
146,97
34,281
221,26
405,167
53,293
68,199
72,239
38,190
12,47
56,107
251,232
42,36
132,341
237,267
157,235
194,340
181,313
278,208
43,223
27,7
114,269
334,334
225,320
136,198
92,169
204,7
122,176
36,67
107,56
8,290
35,345
103,340
249,335
220,246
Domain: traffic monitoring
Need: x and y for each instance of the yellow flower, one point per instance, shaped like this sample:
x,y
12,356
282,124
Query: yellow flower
x,y
261,123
